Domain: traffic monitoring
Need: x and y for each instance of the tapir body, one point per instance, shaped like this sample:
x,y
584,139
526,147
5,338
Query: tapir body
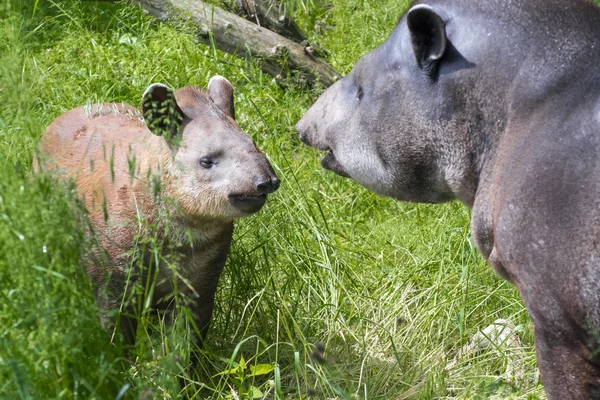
x,y
495,103
182,165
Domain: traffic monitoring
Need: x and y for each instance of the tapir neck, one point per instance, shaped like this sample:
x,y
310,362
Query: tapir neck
x,y
472,136
190,231
184,229
203,232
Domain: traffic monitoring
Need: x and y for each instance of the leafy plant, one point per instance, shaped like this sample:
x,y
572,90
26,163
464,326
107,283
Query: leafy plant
x,y
241,377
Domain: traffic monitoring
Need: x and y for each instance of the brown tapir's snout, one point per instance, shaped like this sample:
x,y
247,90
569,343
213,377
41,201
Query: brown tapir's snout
x,y
263,182
267,182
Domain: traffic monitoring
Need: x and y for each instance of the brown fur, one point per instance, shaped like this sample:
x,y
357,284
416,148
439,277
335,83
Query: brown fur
x,y
116,163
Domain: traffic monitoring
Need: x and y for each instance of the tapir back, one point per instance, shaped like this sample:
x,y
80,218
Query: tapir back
x,y
107,150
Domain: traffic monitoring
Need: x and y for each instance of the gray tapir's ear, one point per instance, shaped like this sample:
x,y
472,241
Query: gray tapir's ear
x,y
221,93
428,36
161,113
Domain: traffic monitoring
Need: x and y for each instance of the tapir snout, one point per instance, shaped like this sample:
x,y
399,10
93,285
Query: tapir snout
x,y
267,182
264,182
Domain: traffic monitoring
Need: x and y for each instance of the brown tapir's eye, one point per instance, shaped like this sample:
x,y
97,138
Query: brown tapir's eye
x,y
360,93
206,162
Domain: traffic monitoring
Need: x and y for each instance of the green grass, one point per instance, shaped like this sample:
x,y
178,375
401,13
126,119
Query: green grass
x,y
390,290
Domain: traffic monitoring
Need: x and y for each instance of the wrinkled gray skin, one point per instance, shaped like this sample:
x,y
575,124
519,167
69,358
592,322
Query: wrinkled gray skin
x,y
497,104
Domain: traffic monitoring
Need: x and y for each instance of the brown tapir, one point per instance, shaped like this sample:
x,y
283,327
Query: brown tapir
x,y
495,103
184,157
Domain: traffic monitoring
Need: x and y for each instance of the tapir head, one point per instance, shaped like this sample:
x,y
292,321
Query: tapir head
x,y
385,124
216,169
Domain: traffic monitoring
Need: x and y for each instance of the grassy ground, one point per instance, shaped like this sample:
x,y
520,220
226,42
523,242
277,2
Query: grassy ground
x,y
333,291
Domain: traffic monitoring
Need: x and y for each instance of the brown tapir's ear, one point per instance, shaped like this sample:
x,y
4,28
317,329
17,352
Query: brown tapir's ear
x,y
221,93
161,113
428,36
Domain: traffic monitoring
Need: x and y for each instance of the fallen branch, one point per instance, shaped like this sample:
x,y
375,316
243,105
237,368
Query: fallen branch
x,y
270,14
275,54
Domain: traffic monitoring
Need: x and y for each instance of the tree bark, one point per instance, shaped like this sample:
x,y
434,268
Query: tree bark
x,y
275,54
270,14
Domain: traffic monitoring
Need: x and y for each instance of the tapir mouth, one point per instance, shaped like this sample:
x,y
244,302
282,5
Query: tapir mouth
x,y
332,164
248,203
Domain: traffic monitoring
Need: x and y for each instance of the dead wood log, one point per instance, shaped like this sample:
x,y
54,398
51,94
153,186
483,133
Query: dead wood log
x,y
277,55
270,14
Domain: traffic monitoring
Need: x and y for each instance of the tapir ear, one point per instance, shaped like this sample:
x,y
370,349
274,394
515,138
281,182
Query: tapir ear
x,y
221,93
428,36
161,113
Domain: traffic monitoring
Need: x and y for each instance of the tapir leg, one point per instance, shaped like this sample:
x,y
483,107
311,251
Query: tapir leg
x,y
566,371
202,313
202,308
567,354
108,292
128,325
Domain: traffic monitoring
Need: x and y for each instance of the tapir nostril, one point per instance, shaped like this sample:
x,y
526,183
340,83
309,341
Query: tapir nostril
x,y
275,182
268,185
301,133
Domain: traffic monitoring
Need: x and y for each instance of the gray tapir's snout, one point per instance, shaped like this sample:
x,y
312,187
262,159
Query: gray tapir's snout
x,y
302,133
317,121
307,132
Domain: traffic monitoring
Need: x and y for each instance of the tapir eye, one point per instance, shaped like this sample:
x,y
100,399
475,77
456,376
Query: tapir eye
x,y
360,93
206,162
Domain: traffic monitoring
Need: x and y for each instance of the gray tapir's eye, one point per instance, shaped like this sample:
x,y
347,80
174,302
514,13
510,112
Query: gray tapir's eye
x,y
206,162
360,93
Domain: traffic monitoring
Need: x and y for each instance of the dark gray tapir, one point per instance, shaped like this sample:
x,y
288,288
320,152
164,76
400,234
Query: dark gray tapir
x,y
495,103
